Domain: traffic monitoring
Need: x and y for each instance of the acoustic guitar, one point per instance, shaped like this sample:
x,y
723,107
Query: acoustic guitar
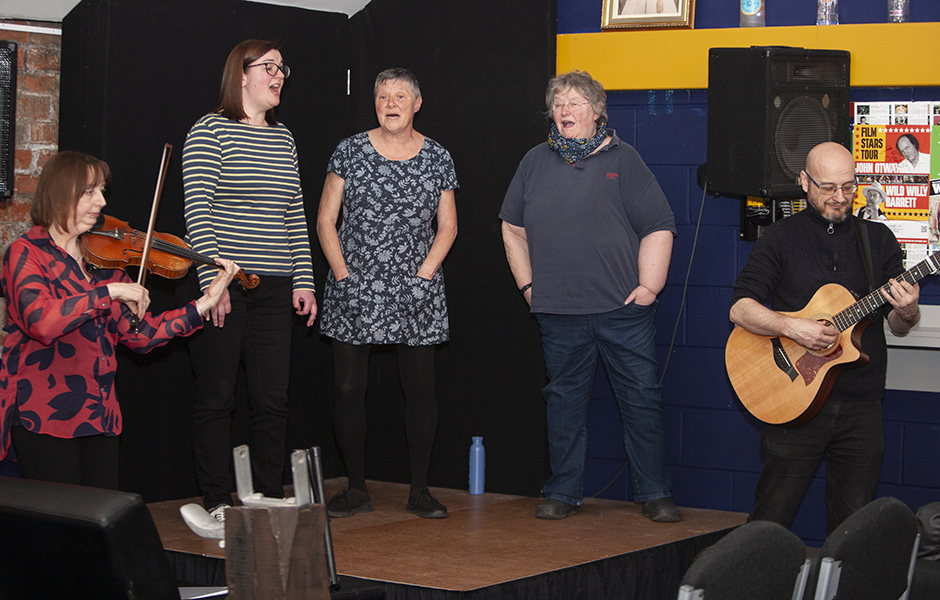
x,y
783,383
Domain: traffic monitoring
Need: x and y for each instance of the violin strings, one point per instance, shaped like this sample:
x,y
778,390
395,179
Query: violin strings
x,y
171,248
164,246
181,251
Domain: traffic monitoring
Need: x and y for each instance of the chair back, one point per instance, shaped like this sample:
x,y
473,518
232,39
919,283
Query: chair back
x,y
869,556
760,559
69,541
928,523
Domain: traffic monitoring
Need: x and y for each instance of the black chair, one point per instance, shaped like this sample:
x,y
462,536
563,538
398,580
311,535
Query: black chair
x,y
757,560
925,583
870,556
68,541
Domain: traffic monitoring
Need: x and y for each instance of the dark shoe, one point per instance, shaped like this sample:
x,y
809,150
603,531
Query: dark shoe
x,y
423,504
555,509
661,510
349,502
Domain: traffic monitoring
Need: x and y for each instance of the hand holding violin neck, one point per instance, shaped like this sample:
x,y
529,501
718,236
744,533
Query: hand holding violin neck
x,y
227,271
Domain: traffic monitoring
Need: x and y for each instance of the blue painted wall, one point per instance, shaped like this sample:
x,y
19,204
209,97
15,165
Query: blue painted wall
x,y
584,16
713,443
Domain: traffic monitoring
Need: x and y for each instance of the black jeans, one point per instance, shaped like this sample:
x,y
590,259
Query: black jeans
x,y
258,333
849,433
88,460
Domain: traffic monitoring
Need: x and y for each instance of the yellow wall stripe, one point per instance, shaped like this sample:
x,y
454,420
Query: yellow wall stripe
x,y
883,54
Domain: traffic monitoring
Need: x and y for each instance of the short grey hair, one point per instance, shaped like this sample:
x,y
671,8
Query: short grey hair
x,y
399,74
581,82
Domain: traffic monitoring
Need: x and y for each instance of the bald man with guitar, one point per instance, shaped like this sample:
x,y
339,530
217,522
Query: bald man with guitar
x,y
812,366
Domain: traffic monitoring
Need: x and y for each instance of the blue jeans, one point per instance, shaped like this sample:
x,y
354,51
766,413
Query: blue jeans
x,y
625,340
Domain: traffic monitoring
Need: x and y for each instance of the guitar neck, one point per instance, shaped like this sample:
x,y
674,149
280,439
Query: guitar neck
x,y
875,300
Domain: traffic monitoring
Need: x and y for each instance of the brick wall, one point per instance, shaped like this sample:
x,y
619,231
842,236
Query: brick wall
x,y
37,125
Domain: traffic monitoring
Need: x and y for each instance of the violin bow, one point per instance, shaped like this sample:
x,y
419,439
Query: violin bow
x,y
148,241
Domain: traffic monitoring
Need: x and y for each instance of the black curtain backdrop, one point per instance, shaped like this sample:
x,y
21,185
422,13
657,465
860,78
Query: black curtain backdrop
x,y
137,74
483,68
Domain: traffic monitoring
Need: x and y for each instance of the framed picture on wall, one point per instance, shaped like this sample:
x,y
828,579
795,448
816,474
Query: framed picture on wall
x,y
647,14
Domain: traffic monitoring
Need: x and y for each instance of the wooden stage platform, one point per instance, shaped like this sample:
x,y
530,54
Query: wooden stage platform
x,y
490,546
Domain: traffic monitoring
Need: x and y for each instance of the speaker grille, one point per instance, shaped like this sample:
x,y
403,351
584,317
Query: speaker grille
x,y
803,124
7,115
806,89
767,108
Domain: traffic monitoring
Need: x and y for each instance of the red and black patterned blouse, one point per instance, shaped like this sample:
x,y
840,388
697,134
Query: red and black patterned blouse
x,y
59,360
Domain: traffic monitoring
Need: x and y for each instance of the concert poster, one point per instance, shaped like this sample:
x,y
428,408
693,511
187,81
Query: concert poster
x,y
897,159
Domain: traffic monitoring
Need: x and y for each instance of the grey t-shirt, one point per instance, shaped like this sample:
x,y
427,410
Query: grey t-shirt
x,y
584,223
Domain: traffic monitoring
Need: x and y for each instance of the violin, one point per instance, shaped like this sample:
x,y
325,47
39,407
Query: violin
x,y
115,245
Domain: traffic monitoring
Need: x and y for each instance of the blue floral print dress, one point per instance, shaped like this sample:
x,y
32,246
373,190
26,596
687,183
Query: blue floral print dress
x,y
385,235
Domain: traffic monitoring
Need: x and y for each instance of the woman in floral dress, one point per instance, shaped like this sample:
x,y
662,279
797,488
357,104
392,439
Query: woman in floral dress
x,y
395,190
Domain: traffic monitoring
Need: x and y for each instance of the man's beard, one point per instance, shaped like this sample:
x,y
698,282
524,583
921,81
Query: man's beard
x,y
834,217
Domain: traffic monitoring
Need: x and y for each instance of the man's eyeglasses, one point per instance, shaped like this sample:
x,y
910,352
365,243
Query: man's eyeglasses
x,y
272,68
830,189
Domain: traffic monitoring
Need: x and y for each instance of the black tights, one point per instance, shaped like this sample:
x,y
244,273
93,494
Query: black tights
x,y
351,376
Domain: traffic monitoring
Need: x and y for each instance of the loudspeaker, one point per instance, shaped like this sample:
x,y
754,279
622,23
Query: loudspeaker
x,y
7,115
767,108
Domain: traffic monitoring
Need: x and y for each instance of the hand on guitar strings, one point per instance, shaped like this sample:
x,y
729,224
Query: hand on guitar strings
x,y
903,296
812,334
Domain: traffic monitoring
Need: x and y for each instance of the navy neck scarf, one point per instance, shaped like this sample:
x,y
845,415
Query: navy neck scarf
x,y
574,150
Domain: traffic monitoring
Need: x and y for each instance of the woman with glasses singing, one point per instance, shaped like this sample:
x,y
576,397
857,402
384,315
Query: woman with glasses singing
x,y
244,201
588,235
385,284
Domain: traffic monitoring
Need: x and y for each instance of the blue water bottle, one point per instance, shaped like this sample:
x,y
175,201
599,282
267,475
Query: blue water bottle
x,y
477,466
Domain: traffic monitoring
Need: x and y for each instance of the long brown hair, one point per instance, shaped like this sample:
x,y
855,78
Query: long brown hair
x,y
230,95
62,182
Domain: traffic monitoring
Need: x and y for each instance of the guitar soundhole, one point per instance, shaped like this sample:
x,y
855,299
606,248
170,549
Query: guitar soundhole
x,y
829,321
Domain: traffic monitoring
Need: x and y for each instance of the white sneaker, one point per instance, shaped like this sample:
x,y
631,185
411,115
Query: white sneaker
x,y
218,513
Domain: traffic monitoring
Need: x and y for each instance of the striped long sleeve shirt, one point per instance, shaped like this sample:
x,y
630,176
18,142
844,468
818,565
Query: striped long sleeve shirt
x,y
244,200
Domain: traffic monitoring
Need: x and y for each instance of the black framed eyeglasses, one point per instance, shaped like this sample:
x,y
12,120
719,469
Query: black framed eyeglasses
x,y
830,189
272,68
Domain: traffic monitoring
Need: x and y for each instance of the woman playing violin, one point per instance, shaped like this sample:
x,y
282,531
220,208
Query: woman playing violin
x,y
57,397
